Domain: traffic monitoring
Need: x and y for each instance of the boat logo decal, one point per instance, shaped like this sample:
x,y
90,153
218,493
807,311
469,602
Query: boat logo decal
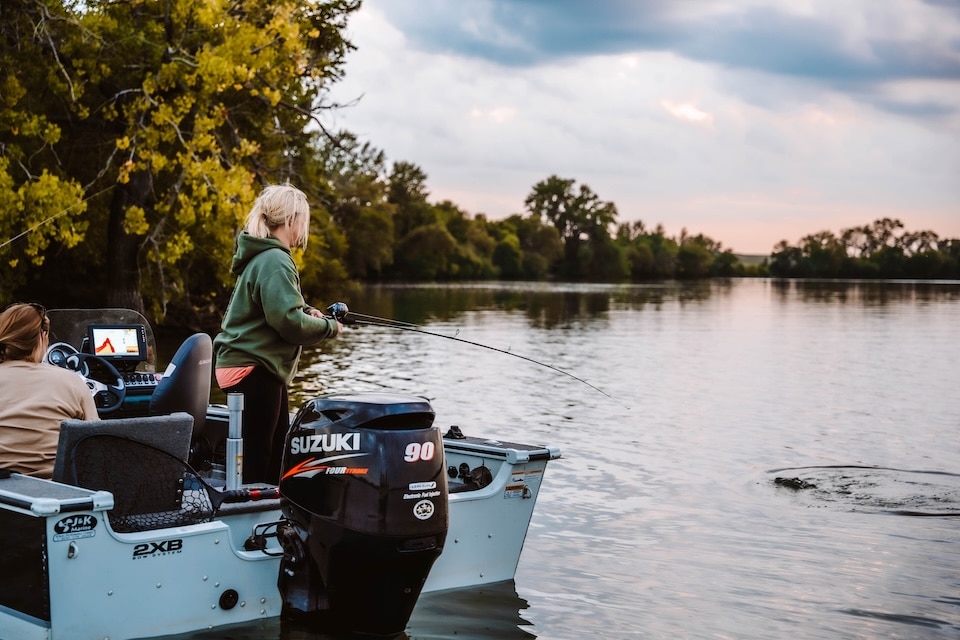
x,y
75,527
154,549
423,510
417,451
325,443
316,466
422,486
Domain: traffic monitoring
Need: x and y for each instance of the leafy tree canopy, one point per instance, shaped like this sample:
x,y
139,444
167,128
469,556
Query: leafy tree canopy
x,y
166,117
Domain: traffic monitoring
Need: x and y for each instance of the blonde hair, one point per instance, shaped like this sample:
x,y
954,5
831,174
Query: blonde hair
x,y
276,206
22,326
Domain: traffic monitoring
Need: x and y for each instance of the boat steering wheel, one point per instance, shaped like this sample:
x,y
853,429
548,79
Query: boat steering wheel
x,y
102,378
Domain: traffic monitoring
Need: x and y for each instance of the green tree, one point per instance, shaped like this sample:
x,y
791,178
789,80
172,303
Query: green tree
x,y
473,258
604,258
877,250
637,249
356,196
529,248
536,237
42,207
695,255
883,233
727,265
175,111
823,254
951,257
578,215
649,254
508,257
425,253
407,191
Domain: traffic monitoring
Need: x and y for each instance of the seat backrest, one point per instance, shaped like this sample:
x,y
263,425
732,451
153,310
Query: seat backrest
x,y
139,485
185,385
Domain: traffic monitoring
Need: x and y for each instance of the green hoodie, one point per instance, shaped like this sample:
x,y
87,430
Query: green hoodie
x,y
267,321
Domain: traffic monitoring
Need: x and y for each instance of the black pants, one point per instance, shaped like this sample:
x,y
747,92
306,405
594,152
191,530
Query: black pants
x,y
266,419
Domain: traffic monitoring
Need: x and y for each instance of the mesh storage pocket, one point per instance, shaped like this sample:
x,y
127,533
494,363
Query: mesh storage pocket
x,y
152,489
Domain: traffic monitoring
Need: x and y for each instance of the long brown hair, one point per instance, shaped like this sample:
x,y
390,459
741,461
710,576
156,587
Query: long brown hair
x,y
22,327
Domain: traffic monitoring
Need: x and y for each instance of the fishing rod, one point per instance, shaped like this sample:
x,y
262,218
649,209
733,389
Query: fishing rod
x,y
342,313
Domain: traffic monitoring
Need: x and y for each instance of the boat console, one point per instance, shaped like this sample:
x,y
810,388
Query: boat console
x,y
114,350
124,346
110,347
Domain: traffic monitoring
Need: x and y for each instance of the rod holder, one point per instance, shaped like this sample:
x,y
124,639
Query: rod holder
x,y
234,445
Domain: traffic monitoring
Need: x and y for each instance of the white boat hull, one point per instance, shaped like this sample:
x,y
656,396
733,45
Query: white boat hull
x,y
80,579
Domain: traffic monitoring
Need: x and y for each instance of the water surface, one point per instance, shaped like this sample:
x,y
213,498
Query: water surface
x,y
764,459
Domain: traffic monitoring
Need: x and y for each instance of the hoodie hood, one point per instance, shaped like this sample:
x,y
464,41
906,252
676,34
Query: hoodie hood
x,y
249,246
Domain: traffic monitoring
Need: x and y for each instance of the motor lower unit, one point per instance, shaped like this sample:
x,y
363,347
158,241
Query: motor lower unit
x,y
364,494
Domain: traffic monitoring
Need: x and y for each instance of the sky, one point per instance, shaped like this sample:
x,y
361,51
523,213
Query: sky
x,y
749,121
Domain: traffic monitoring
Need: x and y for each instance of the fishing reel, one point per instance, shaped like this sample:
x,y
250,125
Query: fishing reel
x,y
339,311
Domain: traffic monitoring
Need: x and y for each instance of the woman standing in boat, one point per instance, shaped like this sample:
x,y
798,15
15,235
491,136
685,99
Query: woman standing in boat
x,y
266,325
34,396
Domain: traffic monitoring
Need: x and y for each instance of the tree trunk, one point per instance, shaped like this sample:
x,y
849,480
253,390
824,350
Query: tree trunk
x,y
123,268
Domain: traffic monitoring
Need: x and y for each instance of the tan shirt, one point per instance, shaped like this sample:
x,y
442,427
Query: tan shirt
x,y
34,399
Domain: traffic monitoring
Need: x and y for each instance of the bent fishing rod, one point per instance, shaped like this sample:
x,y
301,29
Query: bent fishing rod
x,y
341,312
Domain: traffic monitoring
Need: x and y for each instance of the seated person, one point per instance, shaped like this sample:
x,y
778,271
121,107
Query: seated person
x,y
34,396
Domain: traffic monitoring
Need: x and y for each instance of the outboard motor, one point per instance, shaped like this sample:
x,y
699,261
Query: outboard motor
x,y
364,492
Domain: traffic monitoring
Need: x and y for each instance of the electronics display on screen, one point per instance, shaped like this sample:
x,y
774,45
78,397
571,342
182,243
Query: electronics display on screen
x,y
118,342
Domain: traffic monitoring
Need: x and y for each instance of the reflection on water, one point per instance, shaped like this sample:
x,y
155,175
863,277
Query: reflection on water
x,y
545,305
870,292
493,611
490,612
549,305
926,624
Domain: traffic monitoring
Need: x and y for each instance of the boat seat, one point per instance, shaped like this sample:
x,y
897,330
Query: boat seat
x,y
185,385
141,461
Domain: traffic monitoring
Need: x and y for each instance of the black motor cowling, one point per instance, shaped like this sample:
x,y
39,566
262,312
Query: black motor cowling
x,y
364,492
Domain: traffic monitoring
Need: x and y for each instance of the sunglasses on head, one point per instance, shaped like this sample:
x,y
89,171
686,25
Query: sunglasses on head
x,y
42,312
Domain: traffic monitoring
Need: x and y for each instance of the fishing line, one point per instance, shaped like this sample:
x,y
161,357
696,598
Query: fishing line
x,y
384,322
52,218
340,311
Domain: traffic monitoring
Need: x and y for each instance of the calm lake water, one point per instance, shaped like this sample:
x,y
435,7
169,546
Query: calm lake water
x,y
765,460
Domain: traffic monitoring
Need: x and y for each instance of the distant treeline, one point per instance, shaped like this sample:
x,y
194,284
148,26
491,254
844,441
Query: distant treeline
x,y
883,249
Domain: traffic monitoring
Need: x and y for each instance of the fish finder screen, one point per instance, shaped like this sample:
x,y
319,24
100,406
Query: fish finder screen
x,y
118,341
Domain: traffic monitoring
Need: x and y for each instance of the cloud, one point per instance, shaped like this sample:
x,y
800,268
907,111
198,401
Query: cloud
x,y
498,115
688,112
740,120
854,45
